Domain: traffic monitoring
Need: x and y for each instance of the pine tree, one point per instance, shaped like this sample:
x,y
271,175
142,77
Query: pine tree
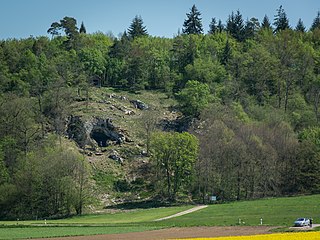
x,y
193,24
220,26
235,26
281,22
82,29
266,23
300,26
226,53
213,26
251,27
136,28
316,22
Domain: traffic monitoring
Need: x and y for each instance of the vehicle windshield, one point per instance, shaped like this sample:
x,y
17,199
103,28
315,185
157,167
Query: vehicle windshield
x,y
300,219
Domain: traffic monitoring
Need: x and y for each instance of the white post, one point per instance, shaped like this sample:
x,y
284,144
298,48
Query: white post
x,y
260,221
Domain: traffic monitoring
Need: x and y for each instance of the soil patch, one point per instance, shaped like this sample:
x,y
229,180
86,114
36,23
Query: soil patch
x,y
171,233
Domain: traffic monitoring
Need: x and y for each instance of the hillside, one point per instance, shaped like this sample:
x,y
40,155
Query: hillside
x,y
118,152
91,120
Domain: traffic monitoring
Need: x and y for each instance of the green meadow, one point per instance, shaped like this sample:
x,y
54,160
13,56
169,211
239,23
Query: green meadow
x,y
273,211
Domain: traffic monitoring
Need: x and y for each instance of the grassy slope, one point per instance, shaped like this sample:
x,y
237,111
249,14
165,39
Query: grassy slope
x,y
276,212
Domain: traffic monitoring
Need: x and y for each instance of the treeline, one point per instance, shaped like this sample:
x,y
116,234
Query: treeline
x,y
252,88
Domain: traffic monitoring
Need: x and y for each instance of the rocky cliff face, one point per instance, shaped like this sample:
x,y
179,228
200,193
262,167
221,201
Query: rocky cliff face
x,y
94,132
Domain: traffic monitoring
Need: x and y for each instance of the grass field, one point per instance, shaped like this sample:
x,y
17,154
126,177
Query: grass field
x,y
274,212
282,236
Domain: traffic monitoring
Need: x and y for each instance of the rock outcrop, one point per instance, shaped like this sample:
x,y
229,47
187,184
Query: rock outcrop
x,y
95,132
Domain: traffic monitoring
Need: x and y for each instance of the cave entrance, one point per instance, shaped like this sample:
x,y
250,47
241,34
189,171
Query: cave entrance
x,y
100,137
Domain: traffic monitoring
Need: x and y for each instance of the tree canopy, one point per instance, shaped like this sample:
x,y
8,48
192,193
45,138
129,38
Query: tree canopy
x,y
193,24
136,28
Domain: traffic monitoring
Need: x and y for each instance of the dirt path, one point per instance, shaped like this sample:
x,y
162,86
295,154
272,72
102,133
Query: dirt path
x,y
183,213
172,233
306,228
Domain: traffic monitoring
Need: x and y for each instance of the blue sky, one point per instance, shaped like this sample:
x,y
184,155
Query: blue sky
x,y
23,18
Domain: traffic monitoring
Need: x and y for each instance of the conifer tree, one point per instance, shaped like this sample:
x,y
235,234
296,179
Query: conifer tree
x,y
266,23
213,26
251,27
220,26
136,28
82,29
226,53
235,26
193,24
316,22
300,26
281,22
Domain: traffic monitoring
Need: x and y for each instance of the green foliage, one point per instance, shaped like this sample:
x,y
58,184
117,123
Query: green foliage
x,y
316,22
136,28
174,156
264,89
235,26
193,24
265,24
193,98
281,21
300,26
82,29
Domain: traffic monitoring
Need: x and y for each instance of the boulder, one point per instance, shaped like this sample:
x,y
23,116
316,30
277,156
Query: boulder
x,y
139,104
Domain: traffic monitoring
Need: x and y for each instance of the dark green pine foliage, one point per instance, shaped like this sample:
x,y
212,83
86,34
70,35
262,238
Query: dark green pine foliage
x,y
266,23
136,28
82,29
316,22
300,26
235,26
213,26
251,27
69,24
281,21
220,26
193,24
226,53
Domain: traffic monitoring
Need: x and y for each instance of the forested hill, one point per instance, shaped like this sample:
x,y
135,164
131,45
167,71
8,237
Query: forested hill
x,y
88,117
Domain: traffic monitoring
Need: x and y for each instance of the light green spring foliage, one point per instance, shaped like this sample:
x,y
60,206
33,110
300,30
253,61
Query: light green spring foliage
x,y
174,155
193,98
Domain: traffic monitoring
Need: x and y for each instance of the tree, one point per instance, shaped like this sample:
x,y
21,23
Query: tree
x,y
227,51
149,121
193,24
69,26
174,155
220,26
281,22
136,28
316,22
235,26
266,23
193,98
251,27
54,29
94,63
300,26
82,29
213,26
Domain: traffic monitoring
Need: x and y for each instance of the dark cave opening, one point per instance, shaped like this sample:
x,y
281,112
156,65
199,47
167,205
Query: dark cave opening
x,y
100,137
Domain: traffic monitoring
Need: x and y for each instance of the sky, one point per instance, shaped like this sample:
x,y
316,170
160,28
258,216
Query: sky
x,y
163,18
